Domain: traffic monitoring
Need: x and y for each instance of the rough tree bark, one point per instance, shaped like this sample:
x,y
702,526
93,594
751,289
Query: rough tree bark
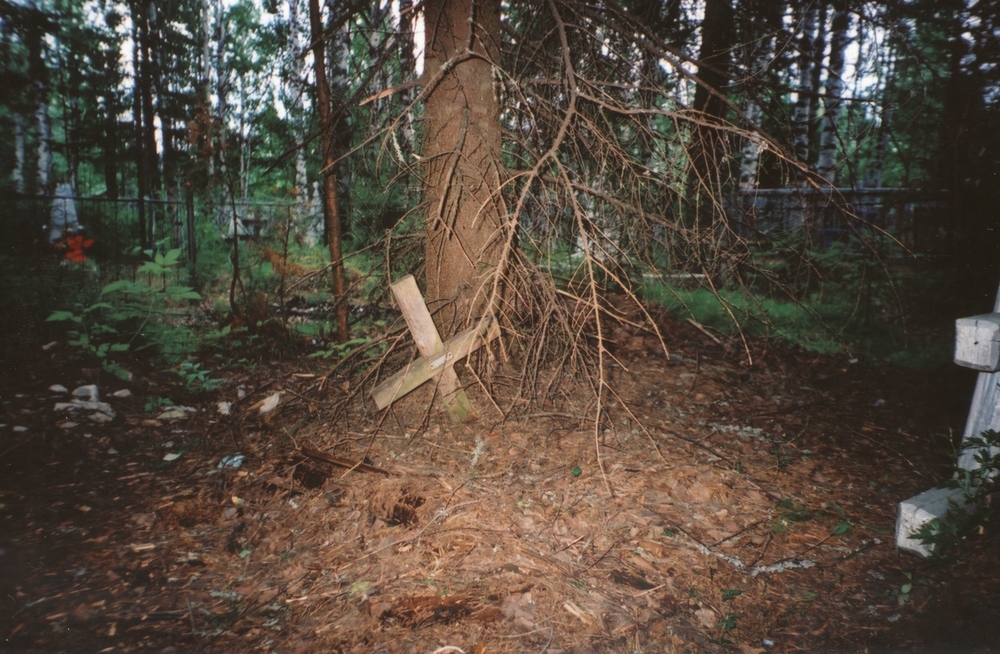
x,y
330,206
461,163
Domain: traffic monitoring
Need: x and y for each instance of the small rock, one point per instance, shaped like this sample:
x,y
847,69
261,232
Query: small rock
x,y
69,424
123,393
171,456
58,388
108,414
232,461
89,392
20,429
176,413
112,450
49,346
224,408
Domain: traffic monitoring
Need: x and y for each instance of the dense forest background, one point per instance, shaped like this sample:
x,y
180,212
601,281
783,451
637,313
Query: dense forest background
x,y
734,141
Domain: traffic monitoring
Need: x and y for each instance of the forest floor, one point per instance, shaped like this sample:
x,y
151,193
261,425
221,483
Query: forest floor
x,y
744,508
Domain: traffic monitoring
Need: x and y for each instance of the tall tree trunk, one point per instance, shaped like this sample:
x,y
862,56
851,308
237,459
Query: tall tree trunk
x,y
750,154
461,163
330,206
826,161
146,93
806,90
110,146
295,106
708,145
142,182
817,50
206,130
221,91
407,70
884,129
39,75
17,176
161,85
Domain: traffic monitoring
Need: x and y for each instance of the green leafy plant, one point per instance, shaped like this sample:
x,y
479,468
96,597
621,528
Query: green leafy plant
x,y
977,484
339,349
122,318
197,378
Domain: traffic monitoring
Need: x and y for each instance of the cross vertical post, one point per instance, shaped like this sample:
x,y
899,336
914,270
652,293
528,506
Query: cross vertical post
x,y
437,359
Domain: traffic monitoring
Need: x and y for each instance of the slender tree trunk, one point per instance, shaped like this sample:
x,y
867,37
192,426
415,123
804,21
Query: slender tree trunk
x,y
884,129
407,70
146,93
750,154
826,162
708,145
806,90
206,130
330,206
294,99
39,75
461,163
818,48
161,86
138,141
110,146
18,174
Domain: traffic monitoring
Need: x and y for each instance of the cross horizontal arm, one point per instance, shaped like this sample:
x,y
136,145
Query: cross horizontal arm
x,y
424,368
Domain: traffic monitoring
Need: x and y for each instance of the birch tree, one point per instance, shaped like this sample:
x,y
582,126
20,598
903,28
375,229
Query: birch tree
x,y
826,160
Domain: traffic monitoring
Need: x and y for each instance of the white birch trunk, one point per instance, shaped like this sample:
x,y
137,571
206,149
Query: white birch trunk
x,y
44,128
803,104
826,162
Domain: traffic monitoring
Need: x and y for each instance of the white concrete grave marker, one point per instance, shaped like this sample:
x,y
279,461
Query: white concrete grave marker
x,y
437,360
977,346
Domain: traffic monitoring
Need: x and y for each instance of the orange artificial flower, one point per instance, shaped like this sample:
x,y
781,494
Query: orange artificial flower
x,y
75,245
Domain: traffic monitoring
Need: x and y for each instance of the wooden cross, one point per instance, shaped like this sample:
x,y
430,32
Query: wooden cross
x,y
437,360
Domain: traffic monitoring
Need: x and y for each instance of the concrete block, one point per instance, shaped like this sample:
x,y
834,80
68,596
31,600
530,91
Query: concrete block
x,y
920,509
977,342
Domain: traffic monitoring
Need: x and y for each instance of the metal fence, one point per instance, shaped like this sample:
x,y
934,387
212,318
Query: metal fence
x,y
909,215
117,225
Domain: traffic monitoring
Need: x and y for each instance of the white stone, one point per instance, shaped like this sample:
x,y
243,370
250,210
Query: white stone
x,y
224,408
977,342
89,392
20,429
82,405
58,388
919,510
270,403
123,393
